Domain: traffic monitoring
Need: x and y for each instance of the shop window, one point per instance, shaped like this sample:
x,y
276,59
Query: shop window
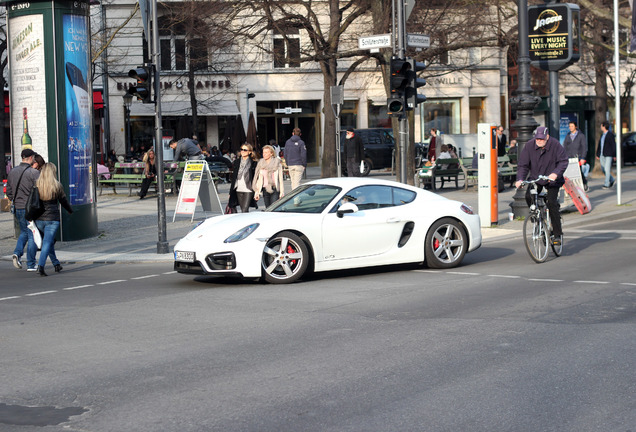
x,y
286,48
442,114
349,115
378,116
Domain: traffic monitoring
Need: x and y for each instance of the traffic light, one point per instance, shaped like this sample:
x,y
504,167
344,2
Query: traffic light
x,y
413,82
398,81
143,89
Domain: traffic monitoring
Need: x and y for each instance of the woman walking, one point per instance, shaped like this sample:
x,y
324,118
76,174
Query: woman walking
x,y
51,193
150,172
241,192
269,177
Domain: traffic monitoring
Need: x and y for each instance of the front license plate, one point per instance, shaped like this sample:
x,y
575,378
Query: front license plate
x,y
184,256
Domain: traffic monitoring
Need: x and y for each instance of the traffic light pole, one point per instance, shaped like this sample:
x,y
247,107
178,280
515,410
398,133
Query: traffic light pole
x,y
162,243
402,119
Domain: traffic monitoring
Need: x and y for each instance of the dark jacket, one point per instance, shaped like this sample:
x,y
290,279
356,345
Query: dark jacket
x,y
576,147
52,210
186,147
19,197
354,148
233,201
501,145
295,151
537,161
609,148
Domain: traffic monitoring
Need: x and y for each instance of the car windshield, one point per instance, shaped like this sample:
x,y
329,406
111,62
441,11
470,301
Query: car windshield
x,y
312,198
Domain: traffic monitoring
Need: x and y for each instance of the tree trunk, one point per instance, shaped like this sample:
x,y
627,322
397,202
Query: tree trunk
x,y
329,168
601,56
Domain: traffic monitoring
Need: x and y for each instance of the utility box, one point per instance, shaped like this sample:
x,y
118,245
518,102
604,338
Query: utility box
x,y
487,179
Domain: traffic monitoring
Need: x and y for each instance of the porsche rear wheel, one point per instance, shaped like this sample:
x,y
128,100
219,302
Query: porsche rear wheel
x,y
446,244
285,258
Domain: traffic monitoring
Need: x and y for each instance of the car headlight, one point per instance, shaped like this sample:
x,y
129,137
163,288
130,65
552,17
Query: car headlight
x,y
241,234
467,209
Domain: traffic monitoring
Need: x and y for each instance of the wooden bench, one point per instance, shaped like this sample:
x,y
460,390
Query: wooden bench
x,y
507,169
132,175
444,169
471,177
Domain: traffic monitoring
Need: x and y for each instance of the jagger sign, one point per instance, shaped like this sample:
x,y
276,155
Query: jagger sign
x,y
553,35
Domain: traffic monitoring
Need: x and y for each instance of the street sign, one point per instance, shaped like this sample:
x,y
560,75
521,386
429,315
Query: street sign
x,y
408,8
418,40
288,110
375,42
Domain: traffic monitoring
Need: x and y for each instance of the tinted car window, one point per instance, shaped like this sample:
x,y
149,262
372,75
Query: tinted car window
x,y
402,196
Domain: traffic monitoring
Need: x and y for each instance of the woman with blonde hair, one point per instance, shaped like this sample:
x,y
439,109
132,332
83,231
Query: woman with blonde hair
x,y
241,192
150,172
51,194
269,177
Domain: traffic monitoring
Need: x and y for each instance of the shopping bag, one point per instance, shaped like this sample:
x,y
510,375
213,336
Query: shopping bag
x,y
361,167
37,236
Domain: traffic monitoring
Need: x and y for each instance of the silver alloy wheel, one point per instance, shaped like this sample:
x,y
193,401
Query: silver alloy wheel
x,y
285,258
446,244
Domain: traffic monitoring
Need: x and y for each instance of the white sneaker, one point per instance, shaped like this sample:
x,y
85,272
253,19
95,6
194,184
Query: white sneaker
x,y
16,262
34,269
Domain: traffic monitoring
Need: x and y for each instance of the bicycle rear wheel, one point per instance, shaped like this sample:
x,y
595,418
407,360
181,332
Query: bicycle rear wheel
x,y
536,238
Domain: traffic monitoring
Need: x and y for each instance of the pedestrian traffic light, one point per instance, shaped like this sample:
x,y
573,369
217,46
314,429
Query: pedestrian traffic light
x,y
143,89
398,81
413,82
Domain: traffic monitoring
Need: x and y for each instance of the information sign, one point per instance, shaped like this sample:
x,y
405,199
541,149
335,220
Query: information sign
x,y
197,183
554,35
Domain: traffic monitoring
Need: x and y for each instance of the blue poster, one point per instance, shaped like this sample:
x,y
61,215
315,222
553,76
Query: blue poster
x,y
78,108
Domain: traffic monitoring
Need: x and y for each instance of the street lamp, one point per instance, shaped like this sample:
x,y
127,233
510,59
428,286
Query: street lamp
x,y
127,103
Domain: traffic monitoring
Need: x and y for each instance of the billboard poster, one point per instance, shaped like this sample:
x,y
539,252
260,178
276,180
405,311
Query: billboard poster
x,y
28,85
78,108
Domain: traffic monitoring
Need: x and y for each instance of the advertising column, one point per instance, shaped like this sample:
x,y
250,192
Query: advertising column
x,y
50,99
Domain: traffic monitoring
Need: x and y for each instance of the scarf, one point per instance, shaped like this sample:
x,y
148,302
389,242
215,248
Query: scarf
x,y
269,170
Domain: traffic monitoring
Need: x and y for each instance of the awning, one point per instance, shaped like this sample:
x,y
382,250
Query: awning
x,y
98,100
182,108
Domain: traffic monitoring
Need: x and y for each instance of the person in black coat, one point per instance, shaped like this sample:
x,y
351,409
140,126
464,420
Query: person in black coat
x,y
606,153
243,169
353,153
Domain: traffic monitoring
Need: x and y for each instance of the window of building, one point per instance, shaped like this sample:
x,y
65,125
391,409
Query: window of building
x,y
349,115
178,51
378,116
442,114
287,48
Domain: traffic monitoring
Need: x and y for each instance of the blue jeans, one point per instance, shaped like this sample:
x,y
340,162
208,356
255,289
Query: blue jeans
x,y
606,165
48,240
25,238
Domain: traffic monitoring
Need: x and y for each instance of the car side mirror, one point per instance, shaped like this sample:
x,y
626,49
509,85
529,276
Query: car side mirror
x,y
346,208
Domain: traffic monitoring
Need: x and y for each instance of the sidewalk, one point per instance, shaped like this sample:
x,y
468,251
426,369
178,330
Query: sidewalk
x,y
128,227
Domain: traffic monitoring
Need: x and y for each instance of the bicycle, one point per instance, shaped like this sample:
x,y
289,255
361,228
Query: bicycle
x,y
537,228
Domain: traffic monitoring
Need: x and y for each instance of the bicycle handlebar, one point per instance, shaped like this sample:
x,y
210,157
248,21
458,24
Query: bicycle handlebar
x,y
541,177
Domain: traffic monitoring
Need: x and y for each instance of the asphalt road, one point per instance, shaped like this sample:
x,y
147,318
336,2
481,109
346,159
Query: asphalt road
x,y
499,344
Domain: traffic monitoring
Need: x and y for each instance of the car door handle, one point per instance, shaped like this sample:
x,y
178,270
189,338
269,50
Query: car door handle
x,y
393,220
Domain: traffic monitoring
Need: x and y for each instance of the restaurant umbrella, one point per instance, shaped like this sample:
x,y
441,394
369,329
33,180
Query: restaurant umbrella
x,y
252,134
238,134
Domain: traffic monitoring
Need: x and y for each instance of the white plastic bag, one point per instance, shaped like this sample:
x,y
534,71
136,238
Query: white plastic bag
x,y
37,237
361,167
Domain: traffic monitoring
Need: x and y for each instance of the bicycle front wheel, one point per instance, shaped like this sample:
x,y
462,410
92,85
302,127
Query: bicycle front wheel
x,y
536,238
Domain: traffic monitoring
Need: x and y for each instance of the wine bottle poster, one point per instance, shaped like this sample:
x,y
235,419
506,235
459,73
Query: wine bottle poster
x,y
78,108
28,85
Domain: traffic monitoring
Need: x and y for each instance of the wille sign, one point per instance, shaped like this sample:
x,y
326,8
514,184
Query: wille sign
x,y
554,35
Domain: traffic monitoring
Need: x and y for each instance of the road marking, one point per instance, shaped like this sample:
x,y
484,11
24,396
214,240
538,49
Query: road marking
x,y
77,287
504,276
9,298
40,293
464,273
591,282
429,271
145,277
169,273
545,280
628,283
111,282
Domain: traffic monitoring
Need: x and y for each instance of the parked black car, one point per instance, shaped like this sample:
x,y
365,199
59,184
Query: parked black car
x,y
379,147
629,147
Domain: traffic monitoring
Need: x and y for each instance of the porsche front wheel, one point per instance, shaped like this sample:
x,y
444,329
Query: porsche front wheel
x,y
446,244
285,258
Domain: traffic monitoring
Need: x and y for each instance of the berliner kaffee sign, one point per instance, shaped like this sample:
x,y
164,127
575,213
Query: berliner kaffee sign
x,y
554,35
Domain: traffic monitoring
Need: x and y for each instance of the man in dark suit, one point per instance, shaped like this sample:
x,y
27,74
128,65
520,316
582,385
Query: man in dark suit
x,y
502,140
606,153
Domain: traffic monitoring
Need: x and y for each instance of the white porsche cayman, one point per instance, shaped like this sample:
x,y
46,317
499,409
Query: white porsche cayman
x,y
332,224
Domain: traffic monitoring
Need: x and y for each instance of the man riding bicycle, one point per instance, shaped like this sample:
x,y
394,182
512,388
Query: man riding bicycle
x,y
544,155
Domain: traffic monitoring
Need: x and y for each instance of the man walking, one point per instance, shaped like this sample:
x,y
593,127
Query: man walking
x,y
353,153
606,153
295,155
576,147
544,155
19,184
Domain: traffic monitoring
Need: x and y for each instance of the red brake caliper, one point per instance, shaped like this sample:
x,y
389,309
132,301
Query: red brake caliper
x,y
291,250
436,244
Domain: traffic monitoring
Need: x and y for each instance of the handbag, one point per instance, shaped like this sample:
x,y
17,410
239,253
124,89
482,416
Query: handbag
x,y
34,205
229,210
